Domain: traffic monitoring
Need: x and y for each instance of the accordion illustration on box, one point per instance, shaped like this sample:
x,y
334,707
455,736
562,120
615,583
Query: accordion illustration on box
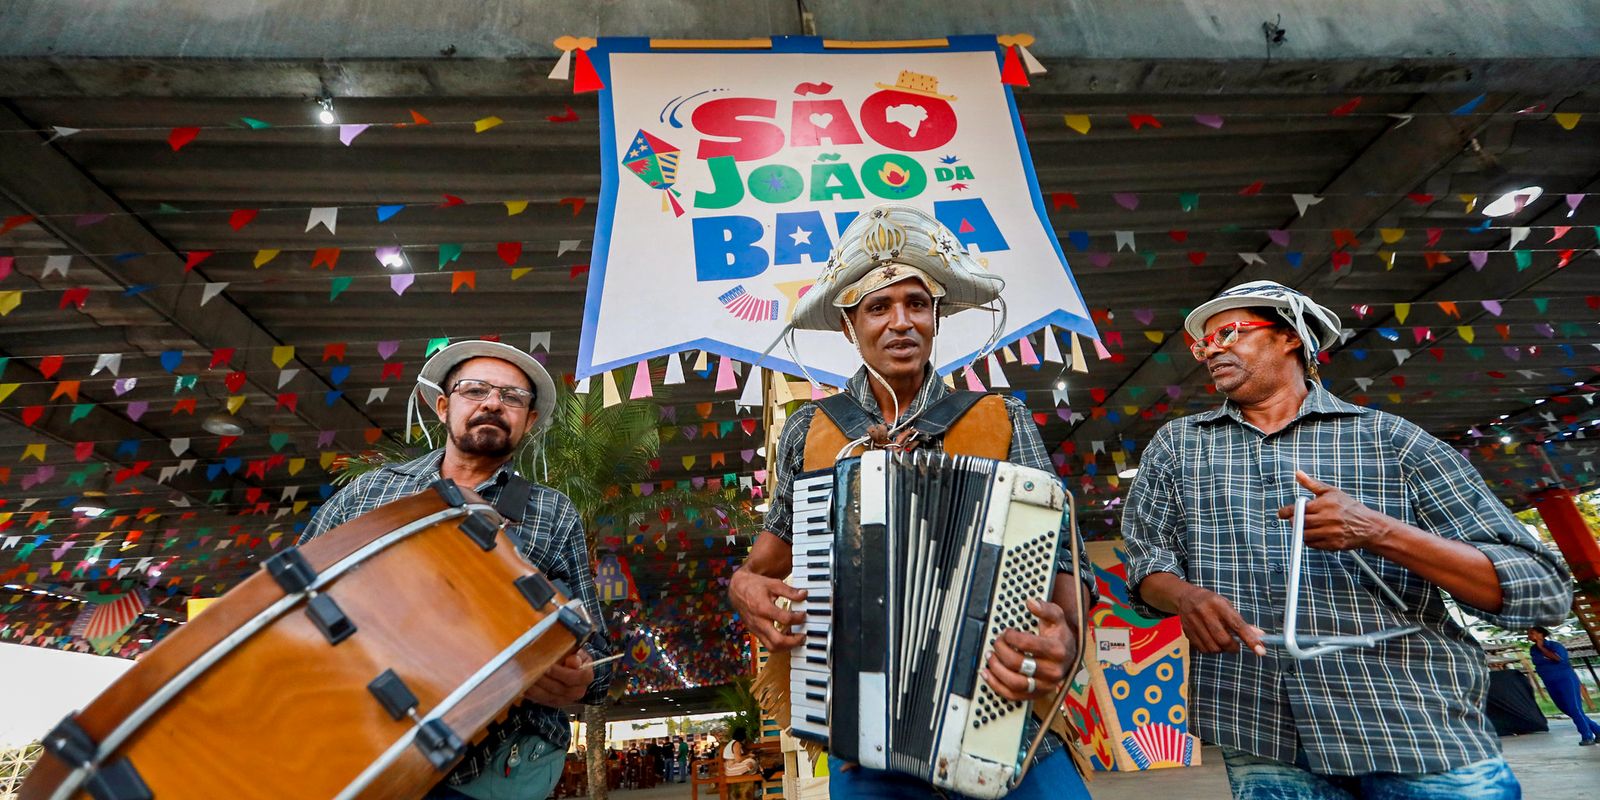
x,y
914,563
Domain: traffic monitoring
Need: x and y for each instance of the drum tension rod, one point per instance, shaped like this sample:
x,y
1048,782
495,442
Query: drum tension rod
x,y
118,780
294,575
434,738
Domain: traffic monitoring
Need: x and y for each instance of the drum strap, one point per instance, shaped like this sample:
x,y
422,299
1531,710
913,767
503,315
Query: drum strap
x,y
514,494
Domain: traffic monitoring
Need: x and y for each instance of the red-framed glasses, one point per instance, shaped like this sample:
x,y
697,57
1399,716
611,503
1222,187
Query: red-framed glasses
x,y
1225,336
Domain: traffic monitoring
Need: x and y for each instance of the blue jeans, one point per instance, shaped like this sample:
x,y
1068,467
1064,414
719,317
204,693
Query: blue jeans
x,y
1255,778
1052,778
532,779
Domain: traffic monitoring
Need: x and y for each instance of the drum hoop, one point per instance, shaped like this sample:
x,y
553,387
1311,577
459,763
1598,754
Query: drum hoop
x,y
389,756
161,697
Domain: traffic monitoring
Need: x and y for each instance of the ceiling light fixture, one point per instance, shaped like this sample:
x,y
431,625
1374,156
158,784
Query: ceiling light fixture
x,y
1513,201
325,114
1128,473
222,425
1505,439
1060,383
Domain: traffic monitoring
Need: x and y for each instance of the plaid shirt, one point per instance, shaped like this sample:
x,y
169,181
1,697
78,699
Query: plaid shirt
x,y
1203,507
549,536
1027,450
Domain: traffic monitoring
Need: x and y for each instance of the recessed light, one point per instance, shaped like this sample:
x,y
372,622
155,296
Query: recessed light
x,y
1505,440
1512,201
222,425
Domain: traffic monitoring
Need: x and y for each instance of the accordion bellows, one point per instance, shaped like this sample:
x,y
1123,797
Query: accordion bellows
x,y
914,564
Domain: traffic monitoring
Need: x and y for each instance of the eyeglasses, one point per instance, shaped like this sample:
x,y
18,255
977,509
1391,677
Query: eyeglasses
x,y
1224,337
478,391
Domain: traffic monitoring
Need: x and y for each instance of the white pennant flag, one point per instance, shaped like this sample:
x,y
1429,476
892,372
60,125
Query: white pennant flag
x,y
563,66
1517,235
166,474
539,339
997,378
57,265
289,493
1060,397
751,396
179,445
1305,201
285,376
1125,239
1363,383
1052,348
62,132
1400,356
566,246
582,387
674,370
377,395
1252,258
211,291
326,217
186,466
111,362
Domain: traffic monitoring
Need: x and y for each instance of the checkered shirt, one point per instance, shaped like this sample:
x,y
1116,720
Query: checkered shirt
x,y
1204,508
1027,449
549,536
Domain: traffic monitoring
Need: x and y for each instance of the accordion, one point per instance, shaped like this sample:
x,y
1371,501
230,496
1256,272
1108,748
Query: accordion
x,y
914,564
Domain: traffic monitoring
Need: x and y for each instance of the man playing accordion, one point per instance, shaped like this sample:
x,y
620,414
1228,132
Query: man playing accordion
x,y
895,272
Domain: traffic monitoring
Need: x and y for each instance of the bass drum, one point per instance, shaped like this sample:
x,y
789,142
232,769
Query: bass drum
x,y
359,665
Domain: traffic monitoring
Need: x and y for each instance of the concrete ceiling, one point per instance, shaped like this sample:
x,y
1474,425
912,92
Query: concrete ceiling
x,y
1371,169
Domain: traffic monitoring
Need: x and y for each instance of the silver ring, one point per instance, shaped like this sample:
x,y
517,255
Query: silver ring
x,y
1029,667
1032,686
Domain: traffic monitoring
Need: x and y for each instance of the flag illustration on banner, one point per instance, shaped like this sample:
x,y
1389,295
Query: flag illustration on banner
x,y
656,163
111,620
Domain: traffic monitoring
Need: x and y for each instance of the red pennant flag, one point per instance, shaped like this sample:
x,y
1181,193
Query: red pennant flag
x,y
509,252
1059,199
1197,257
31,414
221,357
1341,259
451,201
584,77
334,350
138,468
418,119
1433,235
50,365
1565,259
1253,189
1399,381
1434,259
1141,120
1420,198
567,115
1344,237
1012,73
181,137
194,258
1437,353
242,217
1179,236
78,295
288,400
82,450
14,222
577,204
393,370
185,405
226,442
328,256
234,381
1345,108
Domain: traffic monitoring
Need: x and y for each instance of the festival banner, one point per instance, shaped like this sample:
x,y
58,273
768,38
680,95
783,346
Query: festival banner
x,y
728,174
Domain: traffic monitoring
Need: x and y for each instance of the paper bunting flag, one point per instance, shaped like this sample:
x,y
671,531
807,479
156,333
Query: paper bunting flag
x,y
1212,121
326,217
641,382
515,207
1079,123
566,246
1567,121
264,257
348,133
486,123
1305,201
400,283
674,370
181,137
751,396
211,291
608,390
242,217
725,377
56,265
460,278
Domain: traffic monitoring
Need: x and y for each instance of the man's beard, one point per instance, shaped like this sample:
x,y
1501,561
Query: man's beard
x,y
490,441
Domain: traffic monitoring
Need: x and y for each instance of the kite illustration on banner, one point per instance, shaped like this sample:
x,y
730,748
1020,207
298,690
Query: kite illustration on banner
x,y
656,163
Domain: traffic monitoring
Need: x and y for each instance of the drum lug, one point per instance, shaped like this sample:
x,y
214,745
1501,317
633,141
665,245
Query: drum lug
x,y
537,589
291,570
449,492
481,529
69,742
393,694
575,623
118,781
329,618
439,743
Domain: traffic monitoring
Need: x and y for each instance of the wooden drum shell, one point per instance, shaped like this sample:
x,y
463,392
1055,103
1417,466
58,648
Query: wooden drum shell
x,y
287,714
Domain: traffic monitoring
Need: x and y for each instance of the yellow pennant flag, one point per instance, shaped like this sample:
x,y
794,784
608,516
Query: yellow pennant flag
x,y
1010,357
295,465
1401,311
235,402
6,389
9,301
1078,122
282,354
1394,397
1156,337
515,207
264,257
1388,259
700,362
518,272
1078,362
1391,235
609,396
299,506
486,123
34,451
1467,333
327,458
1568,121
1469,200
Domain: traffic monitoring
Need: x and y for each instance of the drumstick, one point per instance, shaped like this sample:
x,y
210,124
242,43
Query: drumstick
x,y
606,660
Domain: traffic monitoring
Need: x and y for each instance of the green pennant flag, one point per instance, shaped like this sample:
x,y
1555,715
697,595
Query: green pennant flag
x,y
1189,201
184,382
448,253
340,284
277,441
435,345
1541,303
79,411
255,123
1524,259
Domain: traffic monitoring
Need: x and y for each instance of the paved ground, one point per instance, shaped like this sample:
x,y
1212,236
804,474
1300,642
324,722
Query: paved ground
x,y
1551,766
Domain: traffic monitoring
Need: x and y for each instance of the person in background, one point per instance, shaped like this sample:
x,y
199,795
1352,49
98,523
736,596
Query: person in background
x,y
1550,660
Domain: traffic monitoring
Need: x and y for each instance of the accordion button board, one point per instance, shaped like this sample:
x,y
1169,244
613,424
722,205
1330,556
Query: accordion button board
x,y
914,564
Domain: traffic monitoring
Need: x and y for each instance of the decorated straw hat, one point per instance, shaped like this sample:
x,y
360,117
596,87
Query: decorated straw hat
x,y
1318,327
895,234
430,382
917,83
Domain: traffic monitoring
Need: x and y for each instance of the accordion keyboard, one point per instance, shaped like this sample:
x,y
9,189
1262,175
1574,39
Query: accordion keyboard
x,y
812,570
